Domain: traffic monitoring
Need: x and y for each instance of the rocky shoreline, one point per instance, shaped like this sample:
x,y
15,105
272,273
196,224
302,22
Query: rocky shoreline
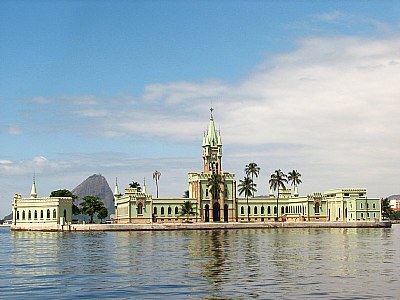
x,y
198,226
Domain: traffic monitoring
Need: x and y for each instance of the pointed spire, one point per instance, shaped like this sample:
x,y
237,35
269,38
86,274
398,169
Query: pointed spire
x,y
144,185
116,190
33,189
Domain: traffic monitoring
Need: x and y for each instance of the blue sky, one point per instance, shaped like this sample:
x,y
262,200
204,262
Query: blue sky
x,y
123,88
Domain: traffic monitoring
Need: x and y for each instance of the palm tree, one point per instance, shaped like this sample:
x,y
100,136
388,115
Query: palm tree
x,y
294,178
156,177
248,187
185,194
253,170
187,209
136,185
214,183
278,180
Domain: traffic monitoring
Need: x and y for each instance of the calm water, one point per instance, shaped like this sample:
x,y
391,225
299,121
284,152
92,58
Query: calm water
x,y
239,264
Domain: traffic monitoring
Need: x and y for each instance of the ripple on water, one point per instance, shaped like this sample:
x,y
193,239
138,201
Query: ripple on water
x,y
219,264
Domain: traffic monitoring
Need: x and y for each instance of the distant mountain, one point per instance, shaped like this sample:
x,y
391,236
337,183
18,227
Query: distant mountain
x,y
95,185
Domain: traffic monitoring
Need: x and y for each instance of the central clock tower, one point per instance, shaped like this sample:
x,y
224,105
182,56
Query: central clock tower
x,y
212,149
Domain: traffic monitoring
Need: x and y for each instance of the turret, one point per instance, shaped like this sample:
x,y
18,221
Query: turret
x,y
33,189
116,189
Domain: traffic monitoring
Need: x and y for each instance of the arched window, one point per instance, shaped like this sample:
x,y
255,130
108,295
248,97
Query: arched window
x,y
282,210
48,214
140,209
41,213
269,210
274,210
176,210
361,205
169,210
248,209
54,214
23,215
373,205
262,210
287,209
242,210
65,214
155,210
35,215
29,215
316,208
17,214
255,210
162,210
339,212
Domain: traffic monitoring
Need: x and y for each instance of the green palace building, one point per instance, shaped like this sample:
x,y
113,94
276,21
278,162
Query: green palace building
x,y
344,204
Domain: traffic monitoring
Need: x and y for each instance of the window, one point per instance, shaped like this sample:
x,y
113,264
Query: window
x,y
360,205
373,205
374,215
54,214
48,214
361,194
242,210
17,214
346,194
140,209
316,208
35,215
248,209
362,216
287,209
155,210
169,210
274,210
255,210
41,213
162,210
29,215
176,210
367,205
206,192
282,210
23,215
262,210
339,212
269,210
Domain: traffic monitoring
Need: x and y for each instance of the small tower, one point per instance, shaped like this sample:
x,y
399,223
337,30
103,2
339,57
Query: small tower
x,y
116,189
33,189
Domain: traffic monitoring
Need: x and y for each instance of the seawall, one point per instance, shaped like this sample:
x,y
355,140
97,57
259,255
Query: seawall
x,y
197,226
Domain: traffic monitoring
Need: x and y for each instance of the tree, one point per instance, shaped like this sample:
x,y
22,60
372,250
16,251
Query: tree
x,y
214,184
185,194
294,178
248,187
91,205
156,177
67,193
187,210
136,185
387,210
102,214
253,170
278,180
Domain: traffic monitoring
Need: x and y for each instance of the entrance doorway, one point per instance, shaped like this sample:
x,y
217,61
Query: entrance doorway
x,y
207,213
216,212
226,213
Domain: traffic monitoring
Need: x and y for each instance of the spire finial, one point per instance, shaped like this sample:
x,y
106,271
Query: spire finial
x,y
33,189
211,110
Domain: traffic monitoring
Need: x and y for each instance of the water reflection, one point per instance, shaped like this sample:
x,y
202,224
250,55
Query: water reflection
x,y
268,263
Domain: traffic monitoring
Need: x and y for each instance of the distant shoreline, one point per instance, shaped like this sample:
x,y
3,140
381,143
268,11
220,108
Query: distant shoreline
x,y
199,226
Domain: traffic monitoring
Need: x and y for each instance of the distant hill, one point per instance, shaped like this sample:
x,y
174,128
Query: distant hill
x,y
95,185
394,197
